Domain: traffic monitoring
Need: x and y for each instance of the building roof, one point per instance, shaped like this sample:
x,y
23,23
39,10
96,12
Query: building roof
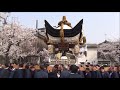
x,y
67,32
92,45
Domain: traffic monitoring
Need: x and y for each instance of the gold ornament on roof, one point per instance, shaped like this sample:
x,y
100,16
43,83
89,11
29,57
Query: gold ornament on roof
x,y
65,22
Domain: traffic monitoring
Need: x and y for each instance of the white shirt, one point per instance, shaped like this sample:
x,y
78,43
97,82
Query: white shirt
x,y
6,68
20,68
13,69
58,75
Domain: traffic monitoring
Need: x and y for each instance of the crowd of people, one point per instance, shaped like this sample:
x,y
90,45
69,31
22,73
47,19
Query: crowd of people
x,y
29,70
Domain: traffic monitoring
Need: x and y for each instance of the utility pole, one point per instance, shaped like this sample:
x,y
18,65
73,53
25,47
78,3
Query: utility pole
x,y
3,19
119,37
36,24
119,31
105,37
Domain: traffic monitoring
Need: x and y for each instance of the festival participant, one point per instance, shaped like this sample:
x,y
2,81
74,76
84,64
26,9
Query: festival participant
x,y
98,71
5,72
74,72
27,72
41,73
0,68
87,73
113,73
54,73
64,71
95,73
13,69
49,69
118,71
19,73
104,73
81,71
32,69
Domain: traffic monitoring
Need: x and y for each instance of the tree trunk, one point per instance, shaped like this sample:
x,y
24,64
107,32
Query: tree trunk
x,y
7,53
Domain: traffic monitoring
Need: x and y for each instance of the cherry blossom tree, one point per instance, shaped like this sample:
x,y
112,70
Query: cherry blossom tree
x,y
17,41
109,50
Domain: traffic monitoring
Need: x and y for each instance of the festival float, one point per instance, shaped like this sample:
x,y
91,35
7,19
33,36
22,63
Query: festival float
x,y
64,42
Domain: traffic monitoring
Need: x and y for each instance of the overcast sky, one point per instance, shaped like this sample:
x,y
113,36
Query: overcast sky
x,y
95,24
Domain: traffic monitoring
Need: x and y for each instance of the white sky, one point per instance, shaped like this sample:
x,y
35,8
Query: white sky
x,y
95,24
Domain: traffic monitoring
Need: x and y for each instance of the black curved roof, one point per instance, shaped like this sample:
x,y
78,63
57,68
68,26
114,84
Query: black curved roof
x,y
67,32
